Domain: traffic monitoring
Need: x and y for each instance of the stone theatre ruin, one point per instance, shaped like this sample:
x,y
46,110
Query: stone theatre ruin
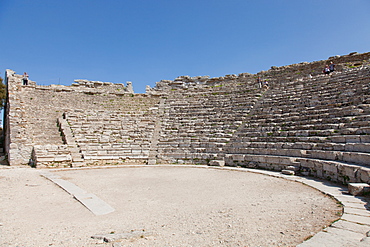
x,y
306,122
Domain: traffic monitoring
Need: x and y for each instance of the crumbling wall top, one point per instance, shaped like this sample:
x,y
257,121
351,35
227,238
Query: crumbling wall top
x,y
286,72
15,82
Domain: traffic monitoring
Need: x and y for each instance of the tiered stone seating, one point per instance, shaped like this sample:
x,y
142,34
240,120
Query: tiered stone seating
x,y
199,121
315,123
319,125
43,106
107,135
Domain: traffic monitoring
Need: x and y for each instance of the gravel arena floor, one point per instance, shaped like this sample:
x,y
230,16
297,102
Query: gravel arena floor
x,y
161,206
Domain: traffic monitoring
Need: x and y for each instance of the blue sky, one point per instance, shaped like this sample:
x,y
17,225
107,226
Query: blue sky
x,y
145,41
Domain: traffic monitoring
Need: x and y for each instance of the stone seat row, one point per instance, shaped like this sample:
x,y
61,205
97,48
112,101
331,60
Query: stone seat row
x,y
187,157
200,129
106,118
350,147
344,139
314,92
193,142
307,126
109,127
327,169
351,115
316,103
316,119
196,106
189,121
228,101
228,87
197,103
204,113
305,133
319,99
355,153
330,84
324,89
338,95
114,146
353,157
239,95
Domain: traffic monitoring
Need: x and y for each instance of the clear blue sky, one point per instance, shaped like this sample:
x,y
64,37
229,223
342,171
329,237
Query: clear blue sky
x,y
145,41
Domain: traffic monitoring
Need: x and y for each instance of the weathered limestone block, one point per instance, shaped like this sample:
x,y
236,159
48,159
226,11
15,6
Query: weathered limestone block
x,y
326,155
352,138
357,147
288,172
292,168
45,159
101,157
60,158
102,152
329,166
364,174
357,189
217,163
274,159
359,158
348,173
365,138
238,157
136,151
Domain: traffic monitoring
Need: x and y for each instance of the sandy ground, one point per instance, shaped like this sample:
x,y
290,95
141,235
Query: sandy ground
x,y
170,206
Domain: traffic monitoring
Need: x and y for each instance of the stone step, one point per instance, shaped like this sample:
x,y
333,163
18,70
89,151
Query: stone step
x,y
349,147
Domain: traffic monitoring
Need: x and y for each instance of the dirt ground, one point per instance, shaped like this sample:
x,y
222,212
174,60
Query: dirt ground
x,y
161,206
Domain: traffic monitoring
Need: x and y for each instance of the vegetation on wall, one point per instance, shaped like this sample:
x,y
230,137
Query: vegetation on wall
x,y
2,93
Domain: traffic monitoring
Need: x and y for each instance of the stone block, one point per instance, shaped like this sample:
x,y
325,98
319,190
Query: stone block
x,y
357,189
62,158
364,174
217,163
238,157
136,151
292,168
354,139
359,158
287,172
365,138
152,162
330,167
45,159
274,160
338,139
